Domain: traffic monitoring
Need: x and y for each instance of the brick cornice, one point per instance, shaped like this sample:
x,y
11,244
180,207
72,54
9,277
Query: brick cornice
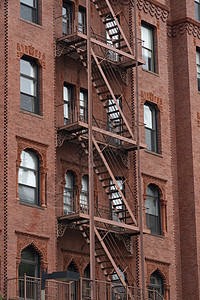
x,y
182,26
154,8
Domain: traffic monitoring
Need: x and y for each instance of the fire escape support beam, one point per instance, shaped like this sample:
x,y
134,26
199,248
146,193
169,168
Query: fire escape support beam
x,y
112,94
112,262
114,180
120,29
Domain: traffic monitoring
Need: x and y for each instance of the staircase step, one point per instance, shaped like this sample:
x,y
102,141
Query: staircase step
x,y
103,92
107,268
100,173
100,86
117,41
102,7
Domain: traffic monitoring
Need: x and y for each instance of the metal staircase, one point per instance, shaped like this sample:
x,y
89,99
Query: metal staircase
x,y
106,166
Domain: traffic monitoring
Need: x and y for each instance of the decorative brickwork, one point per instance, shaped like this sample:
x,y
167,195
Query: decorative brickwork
x,y
183,26
154,8
81,260
151,97
32,52
40,244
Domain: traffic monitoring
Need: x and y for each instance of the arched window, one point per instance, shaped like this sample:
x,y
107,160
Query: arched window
x,y
152,210
29,265
84,195
28,178
72,268
156,284
69,194
118,288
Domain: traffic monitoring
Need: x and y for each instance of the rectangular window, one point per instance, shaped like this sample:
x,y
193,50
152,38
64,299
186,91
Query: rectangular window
x,y
83,102
68,104
29,87
67,18
82,24
150,122
148,54
197,10
198,67
112,36
29,10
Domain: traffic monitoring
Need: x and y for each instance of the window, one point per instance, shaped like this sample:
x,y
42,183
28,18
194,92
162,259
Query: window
x,y
74,284
156,284
148,54
69,194
28,181
197,10
112,36
67,18
84,195
29,265
118,288
117,201
83,106
29,10
29,85
198,67
152,210
150,122
82,25
68,104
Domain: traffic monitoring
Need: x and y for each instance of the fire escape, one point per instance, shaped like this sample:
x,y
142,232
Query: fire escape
x,y
112,137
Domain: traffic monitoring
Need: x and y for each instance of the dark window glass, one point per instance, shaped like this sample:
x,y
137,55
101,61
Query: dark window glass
x,y
29,10
68,104
148,55
156,284
67,18
29,265
150,122
72,268
29,85
118,288
28,179
82,24
197,10
69,194
198,67
83,102
152,210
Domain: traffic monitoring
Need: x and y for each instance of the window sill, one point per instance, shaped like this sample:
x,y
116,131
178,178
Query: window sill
x,y
30,113
153,153
157,235
150,72
31,205
31,23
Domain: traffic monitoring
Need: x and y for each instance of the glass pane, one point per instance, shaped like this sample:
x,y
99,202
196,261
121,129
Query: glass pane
x,y
28,68
27,86
67,93
29,160
28,103
197,10
148,117
147,37
69,179
27,177
28,2
84,183
26,268
147,57
66,110
27,194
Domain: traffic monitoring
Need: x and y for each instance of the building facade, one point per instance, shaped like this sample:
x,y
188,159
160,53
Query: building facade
x,y
145,129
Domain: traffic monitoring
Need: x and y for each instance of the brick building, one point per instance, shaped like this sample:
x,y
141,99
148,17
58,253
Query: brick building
x,y
145,129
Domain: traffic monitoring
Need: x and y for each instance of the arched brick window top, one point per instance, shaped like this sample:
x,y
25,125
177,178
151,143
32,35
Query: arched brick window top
x,y
30,262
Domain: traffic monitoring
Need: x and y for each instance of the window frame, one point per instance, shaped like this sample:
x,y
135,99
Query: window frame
x,y
36,201
83,117
69,18
198,67
35,81
197,10
154,142
70,103
32,8
82,27
72,191
152,199
151,29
